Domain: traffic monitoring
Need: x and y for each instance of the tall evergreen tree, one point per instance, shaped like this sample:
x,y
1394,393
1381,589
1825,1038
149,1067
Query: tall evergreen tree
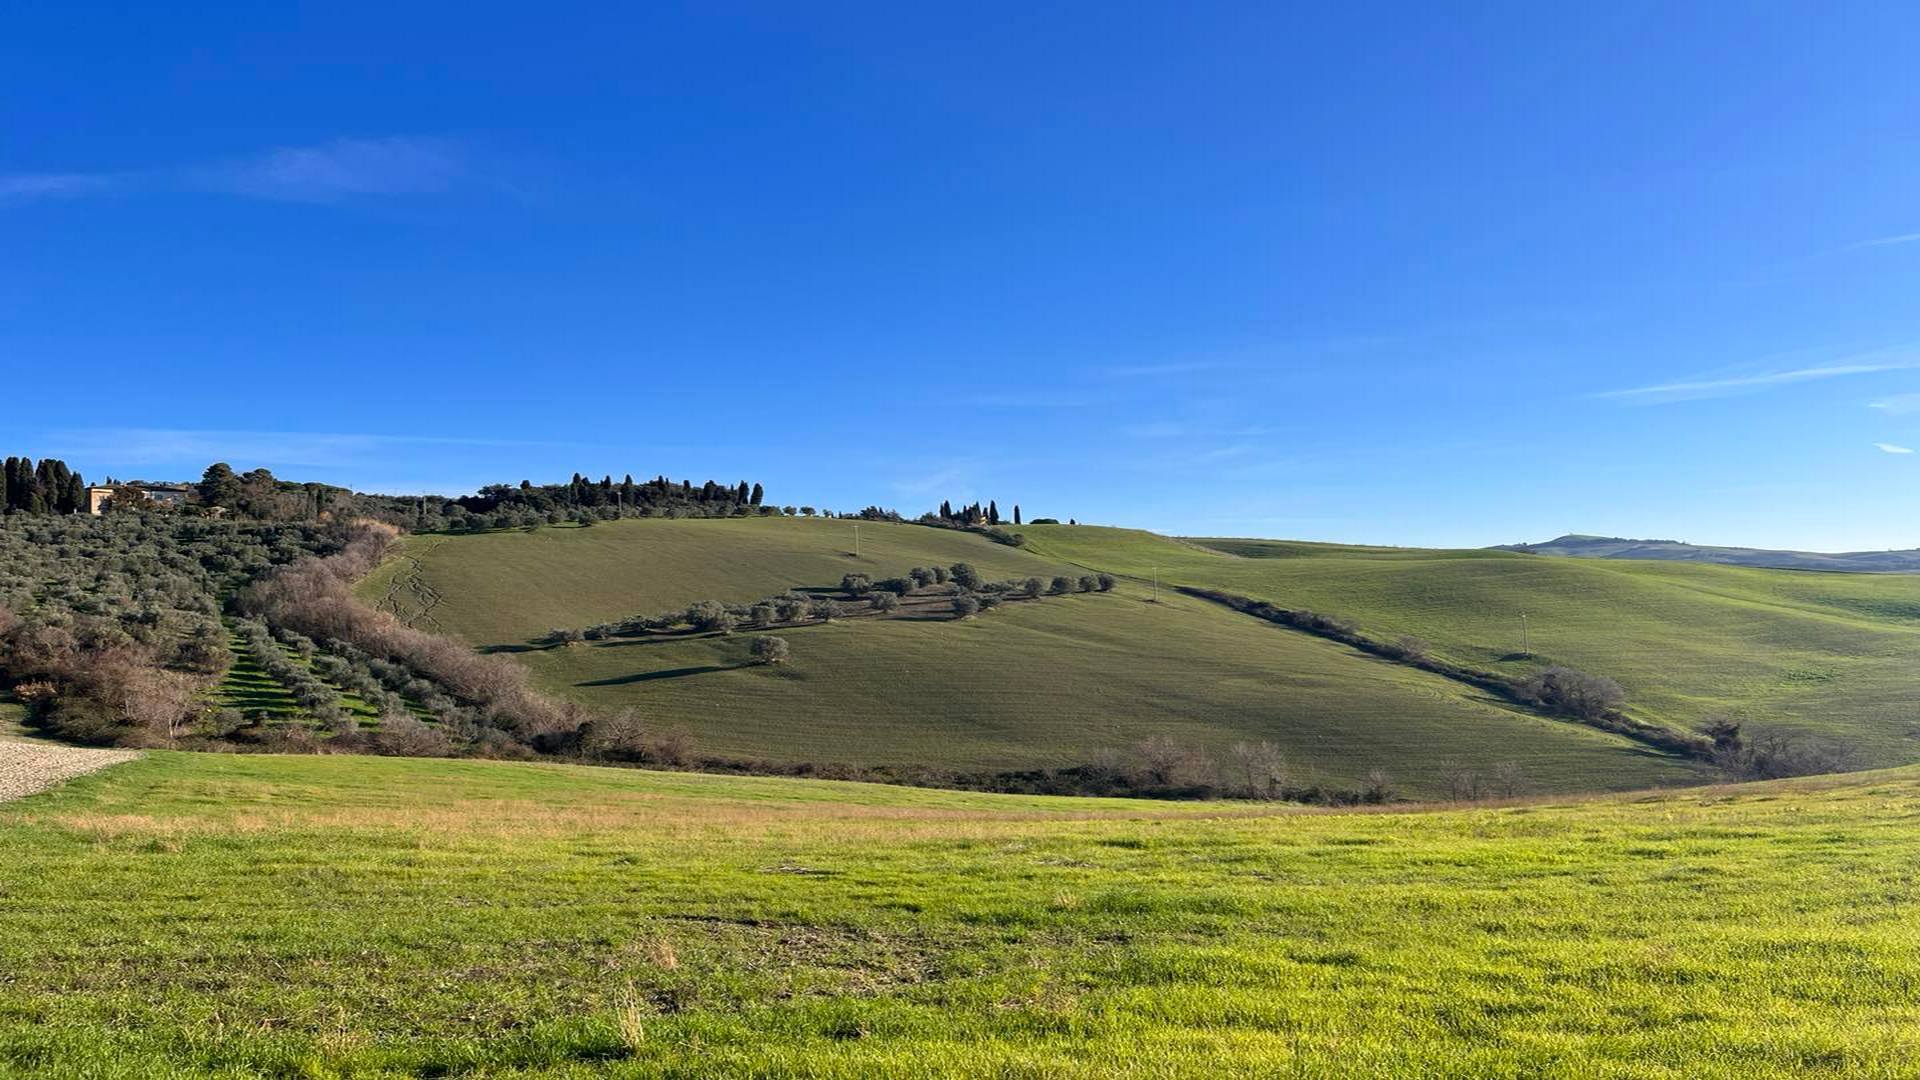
x,y
219,486
742,493
993,512
759,493
14,493
1016,513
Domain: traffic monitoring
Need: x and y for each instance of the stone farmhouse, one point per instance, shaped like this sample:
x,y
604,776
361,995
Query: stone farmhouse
x,y
159,494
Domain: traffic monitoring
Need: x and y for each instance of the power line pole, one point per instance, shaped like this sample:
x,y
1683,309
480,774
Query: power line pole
x,y
1156,584
1526,642
856,541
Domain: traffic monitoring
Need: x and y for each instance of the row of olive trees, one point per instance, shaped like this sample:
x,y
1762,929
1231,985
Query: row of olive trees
x,y
971,592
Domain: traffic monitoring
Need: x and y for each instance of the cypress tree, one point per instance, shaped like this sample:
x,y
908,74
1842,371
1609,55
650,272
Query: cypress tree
x,y
759,493
1016,513
993,512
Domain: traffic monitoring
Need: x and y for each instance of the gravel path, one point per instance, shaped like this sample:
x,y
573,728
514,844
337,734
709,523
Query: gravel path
x,y
26,767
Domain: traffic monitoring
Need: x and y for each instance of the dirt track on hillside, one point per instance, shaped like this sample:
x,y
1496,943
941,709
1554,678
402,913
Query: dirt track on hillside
x,y
26,768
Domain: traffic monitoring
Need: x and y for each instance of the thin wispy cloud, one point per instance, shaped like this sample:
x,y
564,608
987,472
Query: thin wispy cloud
x,y
1156,429
1887,241
1897,405
1692,389
945,479
1890,448
172,447
326,172
20,187
1152,371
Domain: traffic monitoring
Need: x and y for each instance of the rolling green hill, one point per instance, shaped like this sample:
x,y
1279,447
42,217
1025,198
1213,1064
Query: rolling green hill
x,y
1825,654
510,587
1051,683
244,915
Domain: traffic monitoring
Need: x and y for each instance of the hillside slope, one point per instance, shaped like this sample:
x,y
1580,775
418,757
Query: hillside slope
x,y
212,914
1053,683
1822,655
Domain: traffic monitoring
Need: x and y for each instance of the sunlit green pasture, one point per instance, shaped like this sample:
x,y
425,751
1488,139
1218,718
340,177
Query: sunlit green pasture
x,y
206,914
1046,683
1822,654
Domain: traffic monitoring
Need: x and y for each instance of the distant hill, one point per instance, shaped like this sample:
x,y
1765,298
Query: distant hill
x,y
1030,686
1579,546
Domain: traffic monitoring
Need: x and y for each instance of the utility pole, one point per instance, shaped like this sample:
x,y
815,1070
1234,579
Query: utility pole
x,y
1156,584
856,541
1526,643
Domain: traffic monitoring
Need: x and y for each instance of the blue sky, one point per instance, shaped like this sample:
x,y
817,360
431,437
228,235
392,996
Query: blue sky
x,y
1386,273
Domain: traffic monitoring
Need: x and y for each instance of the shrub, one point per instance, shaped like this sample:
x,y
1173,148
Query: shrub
x,y
855,584
1408,647
1087,583
965,606
762,615
1105,581
769,650
825,610
1573,693
884,602
1032,586
965,576
710,615
1061,586
940,575
565,636
1165,763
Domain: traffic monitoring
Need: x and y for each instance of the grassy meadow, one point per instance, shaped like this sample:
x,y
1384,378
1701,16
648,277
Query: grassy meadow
x,y
1034,684
217,915
1825,654
509,587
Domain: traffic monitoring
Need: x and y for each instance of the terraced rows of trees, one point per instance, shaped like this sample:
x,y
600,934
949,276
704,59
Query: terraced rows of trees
x,y
111,628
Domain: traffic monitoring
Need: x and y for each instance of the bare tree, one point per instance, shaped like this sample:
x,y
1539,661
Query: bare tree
x,y
1462,784
1262,767
1508,780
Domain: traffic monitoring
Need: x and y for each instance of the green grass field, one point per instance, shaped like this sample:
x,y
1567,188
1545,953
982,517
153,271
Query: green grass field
x,y
222,915
1047,683
1824,653
510,587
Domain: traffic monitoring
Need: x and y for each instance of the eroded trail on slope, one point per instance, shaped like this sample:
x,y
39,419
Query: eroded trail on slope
x,y
28,768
